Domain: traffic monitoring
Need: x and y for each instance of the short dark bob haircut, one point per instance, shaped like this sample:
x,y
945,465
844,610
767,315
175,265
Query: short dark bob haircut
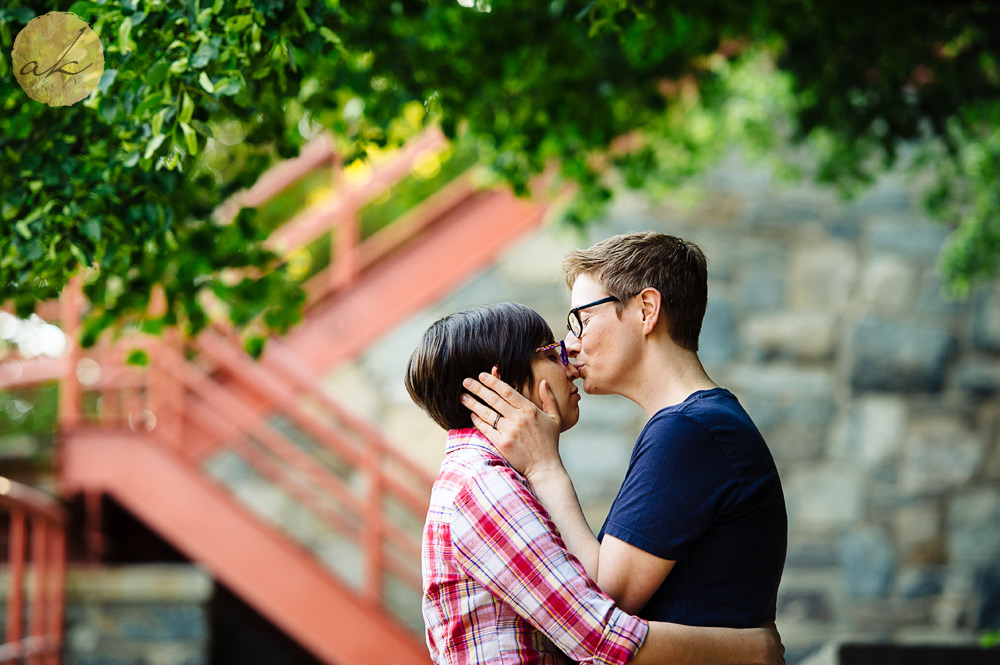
x,y
462,345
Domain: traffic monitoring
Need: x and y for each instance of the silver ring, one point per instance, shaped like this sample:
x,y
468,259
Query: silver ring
x,y
497,421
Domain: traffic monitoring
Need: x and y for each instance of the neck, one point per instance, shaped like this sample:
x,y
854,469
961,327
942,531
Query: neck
x,y
666,375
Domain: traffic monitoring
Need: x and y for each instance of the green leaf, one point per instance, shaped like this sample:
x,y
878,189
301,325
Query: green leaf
x,y
238,23
203,129
254,345
155,74
228,87
330,36
137,357
206,83
187,108
85,10
179,66
125,43
22,228
153,144
156,126
107,78
190,138
149,103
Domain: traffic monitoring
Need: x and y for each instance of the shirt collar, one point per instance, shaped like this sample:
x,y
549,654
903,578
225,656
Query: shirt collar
x,y
469,438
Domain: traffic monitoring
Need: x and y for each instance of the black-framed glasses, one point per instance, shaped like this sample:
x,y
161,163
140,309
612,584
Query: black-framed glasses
x,y
561,345
573,322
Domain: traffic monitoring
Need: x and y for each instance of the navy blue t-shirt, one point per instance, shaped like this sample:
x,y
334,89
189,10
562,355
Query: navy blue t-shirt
x,y
702,490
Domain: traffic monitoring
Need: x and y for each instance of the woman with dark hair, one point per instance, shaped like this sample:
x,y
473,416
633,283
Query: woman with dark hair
x,y
499,586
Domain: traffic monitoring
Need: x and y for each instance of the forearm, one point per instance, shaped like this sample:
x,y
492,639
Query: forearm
x,y
695,645
556,493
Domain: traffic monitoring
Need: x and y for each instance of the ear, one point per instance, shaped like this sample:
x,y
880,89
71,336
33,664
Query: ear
x,y
649,308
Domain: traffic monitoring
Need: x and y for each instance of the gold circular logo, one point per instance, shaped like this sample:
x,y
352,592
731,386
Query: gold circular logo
x,y
58,59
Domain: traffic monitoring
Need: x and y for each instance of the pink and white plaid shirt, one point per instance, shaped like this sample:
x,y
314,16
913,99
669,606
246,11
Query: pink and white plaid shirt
x,y
499,586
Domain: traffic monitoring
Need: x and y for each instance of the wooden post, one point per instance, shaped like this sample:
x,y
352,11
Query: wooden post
x,y
57,592
372,533
15,597
39,565
69,390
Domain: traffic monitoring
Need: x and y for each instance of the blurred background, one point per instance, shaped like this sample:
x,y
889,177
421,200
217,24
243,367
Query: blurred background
x,y
214,269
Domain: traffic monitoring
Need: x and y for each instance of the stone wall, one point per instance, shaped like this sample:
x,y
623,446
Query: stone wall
x,y
134,615
137,615
876,393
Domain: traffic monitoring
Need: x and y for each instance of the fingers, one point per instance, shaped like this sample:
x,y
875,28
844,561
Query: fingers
x,y
496,394
479,410
485,428
504,390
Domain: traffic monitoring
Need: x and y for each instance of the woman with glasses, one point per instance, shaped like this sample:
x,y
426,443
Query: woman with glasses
x,y
498,583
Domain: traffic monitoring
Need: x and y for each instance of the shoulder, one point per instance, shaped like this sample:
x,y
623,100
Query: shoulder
x,y
486,480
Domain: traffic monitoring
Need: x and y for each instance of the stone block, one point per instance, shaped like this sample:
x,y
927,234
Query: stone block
x,y
165,583
888,284
717,342
907,235
918,533
979,376
870,431
973,536
791,406
939,453
933,302
819,554
155,622
786,214
805,605
796,335
822,276
352,386
868,562
343,556
921,582
735,176
228,468
536,259
986,320
596,459
888,356
413,433
988,607
265,499
889,194
760,290
821,498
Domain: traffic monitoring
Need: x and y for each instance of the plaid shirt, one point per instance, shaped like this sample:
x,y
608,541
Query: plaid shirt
x,y
499,585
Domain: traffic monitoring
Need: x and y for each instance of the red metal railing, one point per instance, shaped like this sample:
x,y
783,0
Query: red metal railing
x,y
36,564
200,396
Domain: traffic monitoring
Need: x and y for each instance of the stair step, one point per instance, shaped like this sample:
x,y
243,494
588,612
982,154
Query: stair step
x,y
334,549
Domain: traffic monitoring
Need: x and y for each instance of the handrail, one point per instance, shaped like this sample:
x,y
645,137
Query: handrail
x,y
32,512
199,394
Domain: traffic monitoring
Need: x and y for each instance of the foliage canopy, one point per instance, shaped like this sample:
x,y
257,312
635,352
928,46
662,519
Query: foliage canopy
x,y
199,97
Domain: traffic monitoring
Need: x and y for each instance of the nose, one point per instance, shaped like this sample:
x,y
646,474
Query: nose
x,y
573,345
572,373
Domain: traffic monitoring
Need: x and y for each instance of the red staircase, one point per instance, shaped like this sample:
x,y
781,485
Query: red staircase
x,y
299,507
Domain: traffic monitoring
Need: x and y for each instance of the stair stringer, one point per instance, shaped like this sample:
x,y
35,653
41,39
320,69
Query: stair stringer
x,y
261,565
